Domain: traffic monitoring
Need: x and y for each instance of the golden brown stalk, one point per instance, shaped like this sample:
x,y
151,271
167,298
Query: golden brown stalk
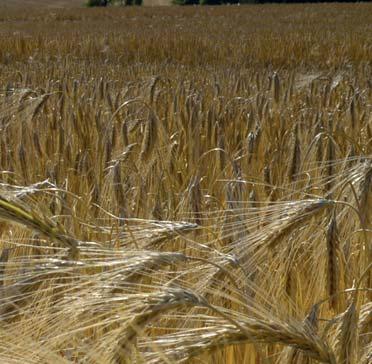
x,y
23,162
364,191
62,104
367,357
172,158
294,167
152,89
14,212
267,179
295,356
124,133
332,265
36,140
353,113
253,198
157,212
276,88
169,232
251,146
364,197
196,199
108,147
3,259
39,105
149,138
154,306
330,158
221,146
253,330
296,219
118,187
365,319
347,336
319,144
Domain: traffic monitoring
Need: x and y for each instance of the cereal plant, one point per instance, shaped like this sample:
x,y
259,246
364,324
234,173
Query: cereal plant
x,y
186,185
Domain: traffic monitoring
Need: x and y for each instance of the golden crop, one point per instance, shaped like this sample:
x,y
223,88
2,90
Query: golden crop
x,y
186,184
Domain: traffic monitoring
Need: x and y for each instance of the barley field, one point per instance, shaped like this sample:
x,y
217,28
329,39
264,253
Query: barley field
x,y
186,184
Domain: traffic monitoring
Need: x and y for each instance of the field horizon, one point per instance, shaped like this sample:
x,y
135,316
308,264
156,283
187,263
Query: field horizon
x,y
63,4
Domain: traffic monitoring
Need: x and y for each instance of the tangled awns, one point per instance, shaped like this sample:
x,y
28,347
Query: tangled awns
x,y
190,185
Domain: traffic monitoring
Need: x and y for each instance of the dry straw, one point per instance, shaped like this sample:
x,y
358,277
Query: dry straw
x,y
260,166
14,212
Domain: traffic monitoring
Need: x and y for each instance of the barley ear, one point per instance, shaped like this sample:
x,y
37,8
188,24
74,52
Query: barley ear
x,y
347,336
149,138
332,268
276,88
